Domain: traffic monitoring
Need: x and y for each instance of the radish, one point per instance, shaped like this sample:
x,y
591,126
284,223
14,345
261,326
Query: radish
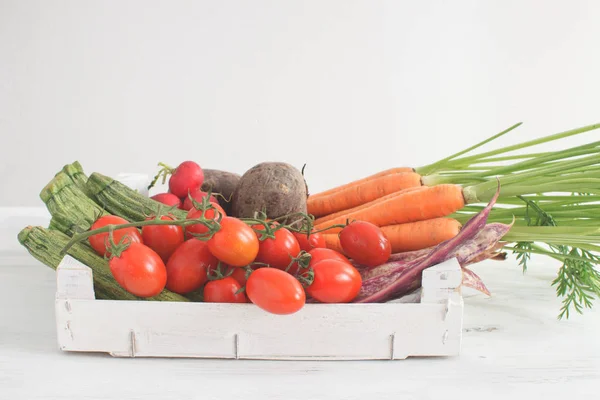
x,y
197,195
186,178
167,198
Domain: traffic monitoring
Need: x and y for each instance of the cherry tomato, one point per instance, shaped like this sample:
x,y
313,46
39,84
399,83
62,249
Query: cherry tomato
x,y
186,178
278,252
197,195
139,270
187,266
100,242
211,213
163,239
224,291
334,281
319,254
239,274
275,291
365,243
167,198
307,243
235,243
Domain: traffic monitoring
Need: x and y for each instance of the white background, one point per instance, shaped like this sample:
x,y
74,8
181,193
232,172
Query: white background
x,y
347,87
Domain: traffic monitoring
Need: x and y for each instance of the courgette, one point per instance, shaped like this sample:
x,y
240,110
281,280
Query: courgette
x,y
71,209
75,172
121,200
45,245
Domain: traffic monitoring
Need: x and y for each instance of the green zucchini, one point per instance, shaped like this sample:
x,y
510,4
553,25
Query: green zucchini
x,y
75,172
45,245
121,200
71,209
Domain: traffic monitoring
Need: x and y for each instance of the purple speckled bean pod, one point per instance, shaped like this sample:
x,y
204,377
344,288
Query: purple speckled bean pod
x,y
410,255
396,282
485,240
383,269
493,253
472,280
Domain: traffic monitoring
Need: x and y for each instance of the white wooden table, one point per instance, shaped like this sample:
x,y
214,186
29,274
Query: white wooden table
x,y
513,345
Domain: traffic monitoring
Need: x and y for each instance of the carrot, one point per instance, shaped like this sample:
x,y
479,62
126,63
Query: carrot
x,y
363,180
421,234
417,205
330,217
332,241
362,193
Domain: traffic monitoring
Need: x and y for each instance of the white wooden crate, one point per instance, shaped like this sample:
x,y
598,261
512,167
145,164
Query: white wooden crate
x,y
432,326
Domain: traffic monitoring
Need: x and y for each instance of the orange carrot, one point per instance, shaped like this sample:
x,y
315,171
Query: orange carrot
x,y
320,221
363,180
362,193
421,234
417,205
332,241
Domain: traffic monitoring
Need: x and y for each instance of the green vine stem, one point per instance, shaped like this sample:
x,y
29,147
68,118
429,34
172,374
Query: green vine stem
x,y
165,171
307,226
303,259
306,278
116,249
212,225
217,272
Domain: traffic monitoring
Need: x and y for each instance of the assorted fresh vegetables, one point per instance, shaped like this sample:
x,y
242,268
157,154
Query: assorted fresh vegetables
x,y
260,238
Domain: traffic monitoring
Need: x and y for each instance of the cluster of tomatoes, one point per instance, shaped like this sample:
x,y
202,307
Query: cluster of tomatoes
x,y
231,260
270,266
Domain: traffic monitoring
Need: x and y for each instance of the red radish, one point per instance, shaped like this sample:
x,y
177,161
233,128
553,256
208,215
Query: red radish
x,y
186,178
197,195
167,198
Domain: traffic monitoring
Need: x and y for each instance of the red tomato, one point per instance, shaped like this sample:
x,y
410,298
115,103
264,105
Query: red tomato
x,y
211,213
334,281
278,252
198,195
223,291
319,254
163,239
235,243
365,243
307,243
186,178
187,266
275,291
100,242
167,198
239,274
139,270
